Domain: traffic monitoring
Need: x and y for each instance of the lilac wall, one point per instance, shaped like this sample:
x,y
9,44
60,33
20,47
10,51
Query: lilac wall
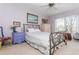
x,y
9,13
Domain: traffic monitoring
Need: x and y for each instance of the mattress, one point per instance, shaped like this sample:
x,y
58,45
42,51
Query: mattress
x,y
39,40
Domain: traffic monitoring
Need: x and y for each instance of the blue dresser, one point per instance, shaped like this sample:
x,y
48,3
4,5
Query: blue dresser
x,y
18,37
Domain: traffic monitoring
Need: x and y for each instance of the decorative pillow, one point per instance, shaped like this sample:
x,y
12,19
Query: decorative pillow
x,y
31,30
37,30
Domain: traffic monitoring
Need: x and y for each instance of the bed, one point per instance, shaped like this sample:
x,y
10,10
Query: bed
x,y
42,40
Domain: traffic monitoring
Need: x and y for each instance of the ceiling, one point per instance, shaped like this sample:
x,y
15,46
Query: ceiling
x,y
44,9
60,8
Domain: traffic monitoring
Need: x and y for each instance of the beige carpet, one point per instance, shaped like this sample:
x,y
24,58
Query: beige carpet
x,y
18,49
23,49
71,49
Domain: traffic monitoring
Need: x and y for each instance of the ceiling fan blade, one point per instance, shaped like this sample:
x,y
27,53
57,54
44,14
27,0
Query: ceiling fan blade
x,y
55,8
44,6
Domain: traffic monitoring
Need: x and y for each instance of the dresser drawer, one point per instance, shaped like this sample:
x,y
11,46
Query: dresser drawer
x,y
18,37
18,34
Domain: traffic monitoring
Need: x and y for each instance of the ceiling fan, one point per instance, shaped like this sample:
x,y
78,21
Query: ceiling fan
x,y
50,5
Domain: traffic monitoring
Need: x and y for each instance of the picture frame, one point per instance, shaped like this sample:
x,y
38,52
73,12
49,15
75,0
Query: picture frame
x,y
16,23
45,21
31,18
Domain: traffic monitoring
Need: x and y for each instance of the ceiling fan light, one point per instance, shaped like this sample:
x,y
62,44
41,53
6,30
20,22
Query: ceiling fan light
x,y
51,4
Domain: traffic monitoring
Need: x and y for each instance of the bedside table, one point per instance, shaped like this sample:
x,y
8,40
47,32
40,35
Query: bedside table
x,y
18,37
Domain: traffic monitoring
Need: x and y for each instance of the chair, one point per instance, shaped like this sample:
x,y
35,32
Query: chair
x,y
68,36
3,38
0,43
76,35
1,35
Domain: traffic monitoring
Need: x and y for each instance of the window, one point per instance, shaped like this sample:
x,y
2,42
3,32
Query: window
x,y
60,26
67,24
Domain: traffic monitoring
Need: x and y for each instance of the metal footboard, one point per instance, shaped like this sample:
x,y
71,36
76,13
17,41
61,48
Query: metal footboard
x,y
56,38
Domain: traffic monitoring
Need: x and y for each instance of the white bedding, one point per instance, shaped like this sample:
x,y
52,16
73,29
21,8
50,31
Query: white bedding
x,y
40,39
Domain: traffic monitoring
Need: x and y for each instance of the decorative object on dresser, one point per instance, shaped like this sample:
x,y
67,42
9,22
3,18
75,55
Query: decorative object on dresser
x,y
13,29
18,37
16,27
16,23
44,20
31,18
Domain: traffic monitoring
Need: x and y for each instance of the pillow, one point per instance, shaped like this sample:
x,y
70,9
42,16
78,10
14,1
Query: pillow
x,y
37,30
33,30
30,30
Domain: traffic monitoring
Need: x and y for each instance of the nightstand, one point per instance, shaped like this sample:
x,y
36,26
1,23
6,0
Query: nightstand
x,y
18,37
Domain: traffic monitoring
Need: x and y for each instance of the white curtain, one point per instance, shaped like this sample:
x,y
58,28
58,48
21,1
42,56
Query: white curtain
x,y
60,26
67,24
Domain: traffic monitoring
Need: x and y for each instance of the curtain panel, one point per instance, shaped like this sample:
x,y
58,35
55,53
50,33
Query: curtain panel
x,y
67,24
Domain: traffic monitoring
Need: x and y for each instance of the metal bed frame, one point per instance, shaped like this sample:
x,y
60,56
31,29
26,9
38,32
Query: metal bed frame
x,y
51,39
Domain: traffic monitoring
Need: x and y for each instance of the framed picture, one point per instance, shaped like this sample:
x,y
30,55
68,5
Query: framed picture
x,y
31,18
44,20
16,23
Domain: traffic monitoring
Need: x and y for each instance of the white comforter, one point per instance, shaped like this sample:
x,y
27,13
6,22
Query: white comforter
x,y
40,38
